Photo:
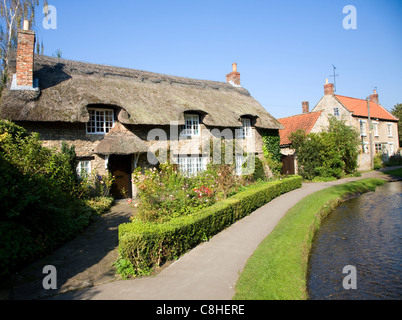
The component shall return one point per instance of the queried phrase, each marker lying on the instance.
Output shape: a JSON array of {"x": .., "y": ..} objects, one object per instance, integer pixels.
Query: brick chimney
[
  {"x": 306, "y": 107},
  {"x": 329, "y": 88},
  {"x": 25, "y": 56},
  {"x": 233, "y": 78},
  {"x": 374, "y": 97}
]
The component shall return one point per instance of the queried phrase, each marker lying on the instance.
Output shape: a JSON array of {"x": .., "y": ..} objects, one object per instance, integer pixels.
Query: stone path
[{"x": 209, "y": 271}]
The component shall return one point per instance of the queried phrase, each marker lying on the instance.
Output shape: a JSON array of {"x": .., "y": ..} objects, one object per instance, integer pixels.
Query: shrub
[
  {"x": 39, "y": 209},
  {"x": 330, "y": 153},
  {"x": 100, "y": 205},
  {"x": 146, "y": 244},
  {"x": 394, "y": 160},
  {"x": 378, "y": 161}
]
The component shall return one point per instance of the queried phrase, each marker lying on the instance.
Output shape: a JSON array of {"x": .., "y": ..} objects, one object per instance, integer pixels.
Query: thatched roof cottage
[{"x": 108, "y": 112}]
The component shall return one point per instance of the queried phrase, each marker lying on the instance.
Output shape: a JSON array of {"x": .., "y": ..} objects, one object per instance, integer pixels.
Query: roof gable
[{"x": 305, "y": 121}]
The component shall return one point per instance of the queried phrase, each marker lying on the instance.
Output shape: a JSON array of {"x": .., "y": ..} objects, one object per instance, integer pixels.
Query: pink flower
[{"x": 130, "y": 200}]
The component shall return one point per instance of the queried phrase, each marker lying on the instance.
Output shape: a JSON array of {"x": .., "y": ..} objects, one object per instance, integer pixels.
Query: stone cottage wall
[{"x": 53, "y": 134}]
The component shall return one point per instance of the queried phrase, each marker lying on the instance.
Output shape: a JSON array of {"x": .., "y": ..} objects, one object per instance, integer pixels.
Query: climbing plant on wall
[{"x": 272, "y": 150}]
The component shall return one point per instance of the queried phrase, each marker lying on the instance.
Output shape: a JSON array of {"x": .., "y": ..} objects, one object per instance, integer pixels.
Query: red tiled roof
[
  {"x": 359, "y": 108},
  {"x": 304, "y": 121}
]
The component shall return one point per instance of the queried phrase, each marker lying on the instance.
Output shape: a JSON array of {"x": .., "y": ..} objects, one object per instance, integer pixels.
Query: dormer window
[
  {"x": 191, "y": 125},
  {"x": 245, "y": 130},
  {"x": 101, "y": 121}
]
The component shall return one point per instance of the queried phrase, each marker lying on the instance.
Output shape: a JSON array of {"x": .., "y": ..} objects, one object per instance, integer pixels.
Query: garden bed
[{"x": 144, "y": 245}]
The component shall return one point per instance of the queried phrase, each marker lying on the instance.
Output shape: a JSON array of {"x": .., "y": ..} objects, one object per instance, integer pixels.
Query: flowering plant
[{"x": 165, "y": 193}]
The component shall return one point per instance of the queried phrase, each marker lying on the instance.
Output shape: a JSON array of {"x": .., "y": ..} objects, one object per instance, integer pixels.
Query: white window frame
[
  {"x": 391, "y": 149},
  {"x": 239, "y": 165},
  {"x": 363, "y": 129},
  {"x": 336, "y": 112},
  {"x": 84, "y": 166},
  {"x": 191, "y": 126},
  {"x": 378, "y": 150},
  {"x": 101, "y": 121},
  {"x": 191, "y": 165},
  {"x": 375, "y": 128},
  {"x": 390, "y": 129},
  {"x": 245, "y": 130}
]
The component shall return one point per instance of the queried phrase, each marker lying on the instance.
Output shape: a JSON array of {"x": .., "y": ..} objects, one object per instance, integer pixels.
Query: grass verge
[
  {"x": 396, "y": 172},
  {"x": 278, "y": 268}
]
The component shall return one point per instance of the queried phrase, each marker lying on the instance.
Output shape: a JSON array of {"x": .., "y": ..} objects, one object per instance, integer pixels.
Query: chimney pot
[
  {"x": 26, "y": 25},
  {"x": 233, "y": 78}
]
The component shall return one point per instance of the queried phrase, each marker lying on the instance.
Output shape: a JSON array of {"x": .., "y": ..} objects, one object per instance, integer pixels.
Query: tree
[
  {"x": 12, "y": 15},
  {"x": 330, "y": 153},
  {"x": 397, "y": 112}
]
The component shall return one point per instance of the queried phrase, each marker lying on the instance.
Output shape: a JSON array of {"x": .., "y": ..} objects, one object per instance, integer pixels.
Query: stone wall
[{"x": 53, "y": 134}]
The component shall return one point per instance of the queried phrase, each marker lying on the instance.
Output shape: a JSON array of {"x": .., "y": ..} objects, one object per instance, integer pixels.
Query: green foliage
[
  {"x": 94, "y": 186},
  {"x": 272, "y": 151},
  {"x": 378, "y": 161},
  {"x": 39, "y": 207},
  {"x": 259, "y": 171},
  {"x": 167, "y": 194},
  {"x": 146, "y": 245},
  {"x": 395, "y": 160},
  {"x": 397, "y": 112},
  {"x": 330, "y": 153},
  {"x": 100, "y": 205}
]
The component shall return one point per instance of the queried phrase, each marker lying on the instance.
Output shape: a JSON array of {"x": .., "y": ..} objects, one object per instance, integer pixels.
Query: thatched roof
[
  {"x": 121, "y": 141},
  {"x": 68, "y": 87}
]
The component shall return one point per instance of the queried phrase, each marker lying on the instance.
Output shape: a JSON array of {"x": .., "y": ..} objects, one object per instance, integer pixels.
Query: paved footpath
[{"x": 210, "y": 271}]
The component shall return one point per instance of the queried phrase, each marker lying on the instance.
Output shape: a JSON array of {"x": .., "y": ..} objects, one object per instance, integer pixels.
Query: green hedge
[{"x": 146, "y": 245}]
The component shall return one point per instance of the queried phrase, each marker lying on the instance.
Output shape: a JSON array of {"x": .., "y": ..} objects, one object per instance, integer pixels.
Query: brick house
[
  {"x": 119, "y": 119},
  {"x": 384, "y": 126}
]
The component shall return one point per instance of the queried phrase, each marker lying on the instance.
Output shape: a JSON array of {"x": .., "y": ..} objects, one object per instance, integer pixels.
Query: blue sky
[{"x": 284, "y": 49}]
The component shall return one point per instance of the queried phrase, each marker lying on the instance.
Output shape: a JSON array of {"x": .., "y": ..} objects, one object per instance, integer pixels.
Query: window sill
[{"x": 96, "y": 134}]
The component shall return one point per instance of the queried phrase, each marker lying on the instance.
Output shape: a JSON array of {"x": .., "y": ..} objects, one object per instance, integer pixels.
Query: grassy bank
[
  {"x": 396, "y": 172},
  {"x": 278, "y": 268}
]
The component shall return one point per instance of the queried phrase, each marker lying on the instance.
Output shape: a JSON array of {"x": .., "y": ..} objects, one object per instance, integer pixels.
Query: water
[{"x": 366, "y": 233}]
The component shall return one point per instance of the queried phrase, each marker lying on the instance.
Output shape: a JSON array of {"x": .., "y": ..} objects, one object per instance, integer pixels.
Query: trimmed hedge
[{"x": 146, "y": 245}]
